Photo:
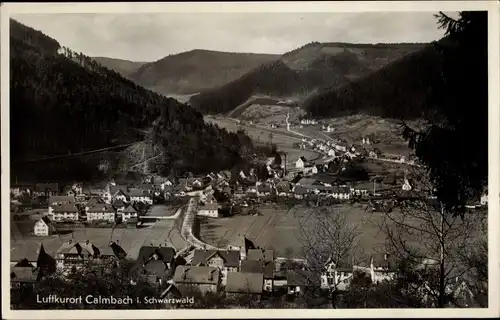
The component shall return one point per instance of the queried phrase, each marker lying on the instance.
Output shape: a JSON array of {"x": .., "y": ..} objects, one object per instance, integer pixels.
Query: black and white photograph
[{"x": 216, "y": 157}]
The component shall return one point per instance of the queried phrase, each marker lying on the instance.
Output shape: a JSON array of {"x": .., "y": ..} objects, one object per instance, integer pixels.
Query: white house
[
  {"x": 101, "y": 212},
  {"x": 406, "y": 185},
  {"x": 128, "y": 213},
  {"x": 42, "y": 227},
  {"x": 65, "y": 211},
  {"x": 331, "y": 153},
  {"x": 140, "y": 196},
  {"x": 120, "y": 195},
  {"x": 209, "y": 210},
  {"x": 310, "y": 170},
  {"x": 55, "y": 201},
  {"x": 300, "y": 163},
  {"x": 340, "y": 148},
  {"x": 382, "y": 269},
  {"x": 329, "y": 129},
  {"x": 336, "y": 277}
]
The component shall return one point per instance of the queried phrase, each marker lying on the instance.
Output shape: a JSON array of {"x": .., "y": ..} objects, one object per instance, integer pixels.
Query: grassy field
[
  {"x": 278, "y": 229},
  {"x": 283, "y": 142}
]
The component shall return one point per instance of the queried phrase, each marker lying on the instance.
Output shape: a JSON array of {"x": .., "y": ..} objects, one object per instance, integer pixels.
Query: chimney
[{"x": 87, "y": 242}]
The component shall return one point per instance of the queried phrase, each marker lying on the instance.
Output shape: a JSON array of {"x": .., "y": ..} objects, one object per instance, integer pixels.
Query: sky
[{"x": 149, "y": 37}]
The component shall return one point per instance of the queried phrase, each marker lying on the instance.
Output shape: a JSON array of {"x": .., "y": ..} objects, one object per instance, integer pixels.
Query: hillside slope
[
  {"x": 196, "y": 70},
  {"x": 302, "y": 71},
  {"x": 123, "y": 67},
  {"x": 64, "y": 102},
  {"x": 402, "y": 89}
]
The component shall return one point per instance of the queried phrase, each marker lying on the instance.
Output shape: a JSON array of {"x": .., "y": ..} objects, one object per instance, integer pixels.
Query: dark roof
[
  {"x": 231, "y": 257},
  {"x": 300, "y": 190},
  {"x": 302, "y": 278},
  {"x": 61, "y": 199},
  {"x": 242, "y": 282},
  {"x": 101, "y": 207},
  {"x": 165, "y": 254},
  {"x": 65, "y": 207},
  {"x": 386, "y": 262},
  {"x": 130, "y": 209},
  {"x": 46, "y": 220},
  {"x": 261, "y": 254},
  {"x": 196, "y": 275},
  {"x": 24, "y": 263},
  {"x": 93, "y": 201},
  {"x": 138, "y": 193},
  {"x": 303, "y": 159},
  {"x": 252, "y": 266},
  {"x": 146, "y": 186},
  {"x": 119, "y": 204},
  {"x": 113, "y": 189},
  {"x": 156, "y": 267}
]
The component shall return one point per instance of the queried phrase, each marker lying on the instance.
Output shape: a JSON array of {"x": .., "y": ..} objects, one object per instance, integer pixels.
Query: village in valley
[{"x": 225, "y": 232}]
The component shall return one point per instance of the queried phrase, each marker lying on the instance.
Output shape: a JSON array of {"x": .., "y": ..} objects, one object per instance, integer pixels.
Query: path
[{"x": 187, "y": 227}]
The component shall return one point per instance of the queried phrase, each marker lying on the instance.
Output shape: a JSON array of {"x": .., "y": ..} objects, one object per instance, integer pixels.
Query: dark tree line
[{"x": 64, "y": 102}]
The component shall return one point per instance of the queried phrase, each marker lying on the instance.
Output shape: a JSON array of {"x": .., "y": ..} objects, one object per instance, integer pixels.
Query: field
[
  {"x": 283, "y": 141},
  {"x": 278, "y": 229}
]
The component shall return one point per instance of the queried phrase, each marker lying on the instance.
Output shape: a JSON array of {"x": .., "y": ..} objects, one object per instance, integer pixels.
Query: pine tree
[{"x": 455, "y": 144}]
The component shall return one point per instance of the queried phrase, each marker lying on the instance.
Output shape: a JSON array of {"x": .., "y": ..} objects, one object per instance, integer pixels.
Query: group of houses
[{"x": 243, "y": 271}]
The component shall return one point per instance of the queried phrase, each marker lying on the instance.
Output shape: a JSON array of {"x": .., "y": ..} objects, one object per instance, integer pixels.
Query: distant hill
[
  {"x": 63, "y": 102},
  {"x": 401, "y": 89},
  {"x": 302, "y": 71},
  {"x": 196, "y": 70},
  {"x": 123, "y": 67}
]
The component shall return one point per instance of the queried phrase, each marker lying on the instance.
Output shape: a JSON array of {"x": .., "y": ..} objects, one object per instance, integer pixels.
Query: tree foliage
[
  {"x": 64, "y": 102},
  {"x": 456, "y": 149}
]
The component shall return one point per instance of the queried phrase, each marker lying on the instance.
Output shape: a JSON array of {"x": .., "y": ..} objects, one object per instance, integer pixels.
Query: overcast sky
[{"x": 149, "y": 37}]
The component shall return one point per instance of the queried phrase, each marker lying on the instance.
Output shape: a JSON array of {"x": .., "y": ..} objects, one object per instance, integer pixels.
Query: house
[
  {"x": 406, "y": 185},
  {"x": 224, "y": 260},
  {"x": 146, "y": 187},
  {"x": 341, "y": 192},
  {"x": 65, "y": 211},
  {"x": 202, "y": 279},
  {"x": 75, "y": 254},
  {"x": 132, "y": 223},
  {"x": 137, "y": 195},
  {"x": 120, "y": 195},
  {"x": 331, "y": 153},
  {"x": 264, "y": 189},
  {"x": 46, "y": 189},
  {"x": 23, "y": 275},
  {"x": 382, "y": 268},
  {"x": 300, "y": 192},
  {"x": 19, "y": 189},
  {"x": 43, "y": 227},
  {"x": 310, "y": 170},
  {"x": 129, "y": 213},
  {"x": 55, "y": 201},
  {"x": 101, "y": 212},
  {"x": 300, "y": 163},
  {"x": 209, "y": 210},
  {"x": 283, "y": 188},
  {"x": 336, "y": 276},
  {"x": 298, "y": 281},
  {"x": 340, "y": 148},
  {"x": 244, "y": 284},
  {"x": 93, "y": 201},
  {"x": 119, "y": 206},
  {"x": 157, "y": 263},
  {"x": 266, "y": 268}
]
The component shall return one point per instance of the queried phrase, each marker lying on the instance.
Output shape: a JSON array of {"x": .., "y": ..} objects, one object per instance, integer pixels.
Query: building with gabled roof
[
  {"x": 101, "y": 212},
  {"x": 225, "y": 260},
  {"x": 64, "y": 212},
  {"x": 43, "y": 227},
  {"x": 244, "y": 284},
  {"x": 129, "y": 213},
  {"x": 202, "y": 279}
]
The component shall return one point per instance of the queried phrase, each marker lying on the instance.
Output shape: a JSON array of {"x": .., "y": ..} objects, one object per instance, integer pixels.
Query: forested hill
[
  {"x": 299, "y": 72},
  {"x": 197, "y": 70},
  {"x": 64, "y": 102},
  {"x": 402, "y": 89}
]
